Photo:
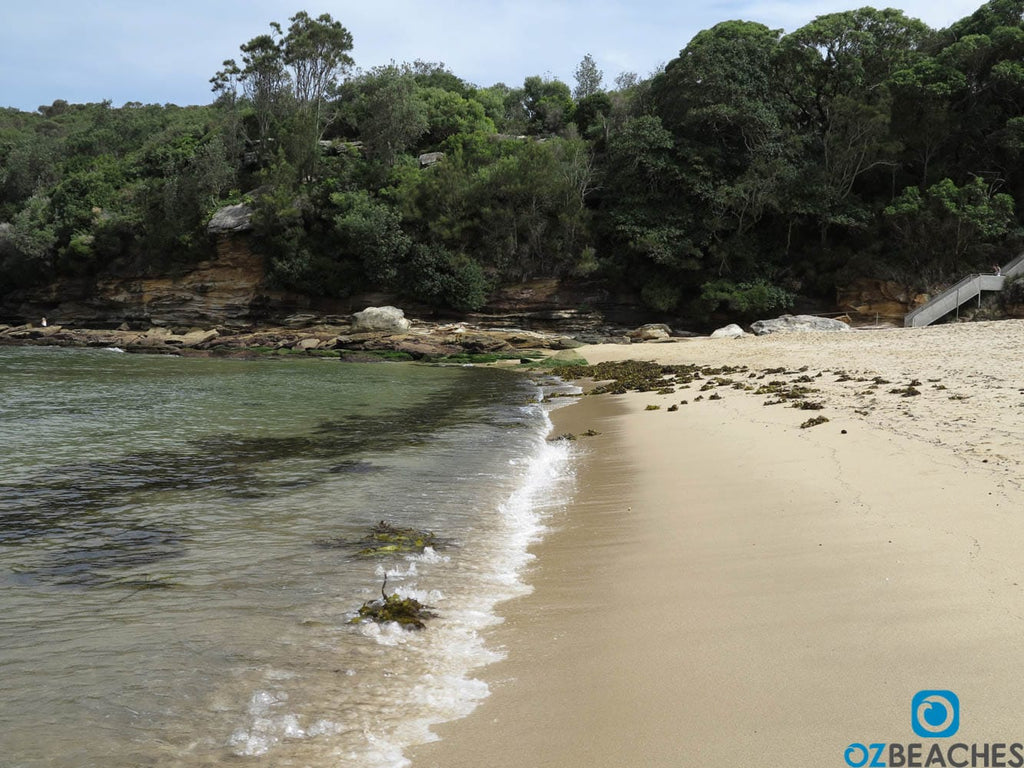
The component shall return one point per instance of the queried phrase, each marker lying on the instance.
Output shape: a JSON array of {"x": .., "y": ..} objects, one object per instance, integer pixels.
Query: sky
[{"x": 165, "y": 51}]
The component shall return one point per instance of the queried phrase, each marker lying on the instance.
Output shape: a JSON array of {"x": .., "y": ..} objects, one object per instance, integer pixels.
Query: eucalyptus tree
[
  {"x": 316, "y": 51},
  {"x": 588, "y": 78},
  {"x": 290, "y": 75}
]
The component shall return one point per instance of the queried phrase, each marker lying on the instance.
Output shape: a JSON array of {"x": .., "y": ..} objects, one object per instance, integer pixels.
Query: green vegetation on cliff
[{"x": 755, "y": 167}]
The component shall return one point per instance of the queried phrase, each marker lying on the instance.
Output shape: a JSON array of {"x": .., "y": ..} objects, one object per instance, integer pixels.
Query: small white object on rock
[
  {"x": 731, "y": 331},
  {"x": 798, "y": 324},
  {"x": 387, "y": 319}
]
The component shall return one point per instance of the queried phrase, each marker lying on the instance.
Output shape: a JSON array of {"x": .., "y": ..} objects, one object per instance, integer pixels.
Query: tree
[
  {"x": 265, "y": 83},
  {"x": 834, "y": 74},
  {"x": 294, "y": 71},
  {"x": 547, "y": 103},
  {"x": 588, "y": 78},
  {"x": 391, "y": 116},
  {"x": 371, "y": 233},
  {"x": 735, "y": 156},
  {"x": 316, "y": 51},
  {"x": 947, "y": 229}
]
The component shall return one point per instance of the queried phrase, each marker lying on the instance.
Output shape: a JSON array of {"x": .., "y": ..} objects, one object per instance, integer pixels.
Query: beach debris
[
  {"x": 808, "y": 405},
  {"x": 386, "y": 539},
  {"x": 814, "y": 422},
  {"x": 590, "y": 433},
  {"x": 653, "y": 408},
  {"x": 672, "y": 408},
  {"x": 564, "y": 436},
  {"x": 407, "y": 612},
  {"x": 908, "y": 391}
]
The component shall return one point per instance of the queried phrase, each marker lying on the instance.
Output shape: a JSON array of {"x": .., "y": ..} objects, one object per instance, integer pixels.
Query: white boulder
[
  {"x": 731, "y": 331},
  {"x": 380, "y": 319},
  {"x": 798, "y": 324}
]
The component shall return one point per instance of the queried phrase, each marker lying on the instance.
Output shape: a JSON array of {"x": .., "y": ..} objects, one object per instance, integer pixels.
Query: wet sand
[{"x": 729, "y": 589}]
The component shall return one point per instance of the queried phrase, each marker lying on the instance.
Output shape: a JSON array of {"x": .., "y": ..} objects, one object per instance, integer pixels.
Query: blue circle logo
[{"x": 935, "y": 714}]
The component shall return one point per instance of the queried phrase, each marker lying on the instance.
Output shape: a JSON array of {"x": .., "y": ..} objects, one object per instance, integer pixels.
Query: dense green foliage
[{"x": 756, "y": 167}]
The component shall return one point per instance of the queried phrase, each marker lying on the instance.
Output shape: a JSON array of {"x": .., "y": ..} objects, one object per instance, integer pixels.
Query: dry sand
[{"x": 728, "y": 589}]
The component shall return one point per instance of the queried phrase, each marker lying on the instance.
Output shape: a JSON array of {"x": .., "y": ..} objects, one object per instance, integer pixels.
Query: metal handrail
[{"x": 974, "y": 281}]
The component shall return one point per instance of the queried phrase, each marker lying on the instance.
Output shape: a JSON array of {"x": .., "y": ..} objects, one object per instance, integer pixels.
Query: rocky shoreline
[
  {"x": 340, "y": 339},
  {"x": 377, "y": 333}
]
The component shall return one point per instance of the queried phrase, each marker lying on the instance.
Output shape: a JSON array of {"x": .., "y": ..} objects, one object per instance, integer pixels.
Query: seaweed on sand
[{"x": 817, "y": 420}]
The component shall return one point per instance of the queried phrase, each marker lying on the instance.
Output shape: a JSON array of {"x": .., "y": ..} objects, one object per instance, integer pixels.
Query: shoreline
[
  {"x": 728, "y": 588},
  {"x": 347, "y": 341}
]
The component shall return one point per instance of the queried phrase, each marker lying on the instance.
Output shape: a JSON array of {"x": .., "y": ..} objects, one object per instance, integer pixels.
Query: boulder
[
  {"x": 798, "y": 324},
  {"x": 308, "y": 343},
  {"x": 196, "y": 338},
  {"x": 603, "y": 338},
  {"x": 232, "y": 218},
  {"x": 428, "y": 159},
  {"x": 731, "y": 331},
  {"x": 651, "y": 332},
  {"x": 386, "y": 319}
]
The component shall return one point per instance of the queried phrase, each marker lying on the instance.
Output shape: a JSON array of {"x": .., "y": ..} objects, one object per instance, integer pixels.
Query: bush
[
  {"x": 1013, "y": 291},
  {"x": 441, "y": 278},
  {"x": 747, "y": 299}
]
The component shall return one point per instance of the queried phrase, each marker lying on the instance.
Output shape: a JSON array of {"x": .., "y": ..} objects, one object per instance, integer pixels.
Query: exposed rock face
[
  {"x": 387, "y": 319},
  {"x": 573, "y": 308},
  {"x": 731, "y": 331},
  {"x": 231, "y": 219},
  {"x": 798, "y": 324},
  {"x": 219, "y": 291},
  {"x": 873, "y": 299}
]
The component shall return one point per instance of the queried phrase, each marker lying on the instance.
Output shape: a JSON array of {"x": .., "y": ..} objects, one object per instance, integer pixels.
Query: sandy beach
[{"x": 729, "y": 589}]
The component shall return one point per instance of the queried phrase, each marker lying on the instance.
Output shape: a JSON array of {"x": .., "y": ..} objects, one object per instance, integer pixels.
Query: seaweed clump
[
  {"x": 639, "y": 376},
  {"x": 908, "y": 391},
  {"x": 386, "y": 539},
  {"x": 407, "y": 612},
  {"x": 814, "y": 422}
]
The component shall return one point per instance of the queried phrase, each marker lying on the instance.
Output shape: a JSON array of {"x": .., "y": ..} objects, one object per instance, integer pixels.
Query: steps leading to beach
[{"x": 954, "y": 297}]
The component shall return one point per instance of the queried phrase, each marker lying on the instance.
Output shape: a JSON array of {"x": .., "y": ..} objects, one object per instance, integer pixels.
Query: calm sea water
[{"x": 166, "y": 598}]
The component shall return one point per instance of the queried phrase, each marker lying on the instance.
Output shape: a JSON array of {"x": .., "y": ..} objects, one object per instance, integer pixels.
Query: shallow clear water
[{"x": 172, "y": 589}]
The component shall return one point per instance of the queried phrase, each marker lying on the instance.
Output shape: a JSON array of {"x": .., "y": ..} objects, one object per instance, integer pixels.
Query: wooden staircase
[{"x": 954, "y": 297}]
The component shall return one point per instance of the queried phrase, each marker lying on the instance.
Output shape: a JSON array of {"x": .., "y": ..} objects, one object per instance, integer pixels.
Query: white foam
[
  {"x": 455, "y": 645},
  {"x": 267, "y": 726},
  {"x": 436, "y": 682}
]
